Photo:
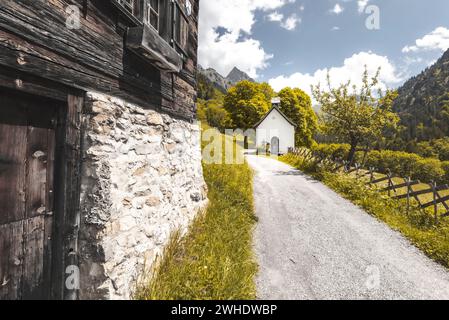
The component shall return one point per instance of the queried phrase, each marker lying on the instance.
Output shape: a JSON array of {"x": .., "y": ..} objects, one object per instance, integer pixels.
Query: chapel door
[{"x": 275, "y": 146}]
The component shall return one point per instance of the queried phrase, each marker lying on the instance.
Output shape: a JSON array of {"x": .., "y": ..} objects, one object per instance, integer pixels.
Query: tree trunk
[{"x": 351, "y": 156}]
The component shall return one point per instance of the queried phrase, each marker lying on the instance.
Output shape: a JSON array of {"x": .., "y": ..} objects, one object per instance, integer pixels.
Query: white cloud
[
  {"x": 411, "y": 60},
  {"x": 335, "y": 28},
  {"x": 431, "y": 62},
  {"x": 235, "y": 47},
  {"x": 352, "y": 69},
  {"x": 275, "y": 16},
  {"x": 291, "y": 22},
  {"x": 438, "y": 39},
  {"x": 337, "y": 9},
  {"x": 362, "y": 5}
]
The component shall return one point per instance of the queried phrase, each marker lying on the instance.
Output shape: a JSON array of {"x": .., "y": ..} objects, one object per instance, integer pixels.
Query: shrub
[
  {"x": 445, "y": 166},
  {"x": 400, "y": 163},
  {"x": 334, "y": 150},
  {"x": 407, "y": 165},
  {"x": 435, "y": 149},
  {"x": 429, "y": 170}
]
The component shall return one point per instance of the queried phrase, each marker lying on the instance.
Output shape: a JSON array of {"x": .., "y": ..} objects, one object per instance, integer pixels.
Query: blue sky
[{"x": 296, "y": 42}]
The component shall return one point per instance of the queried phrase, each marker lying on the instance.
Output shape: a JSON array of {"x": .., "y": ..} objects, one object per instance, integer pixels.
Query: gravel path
[{"x": 313, "y": 244}]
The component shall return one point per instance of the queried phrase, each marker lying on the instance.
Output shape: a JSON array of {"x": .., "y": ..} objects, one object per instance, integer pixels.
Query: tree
[
  {"x": 247, "y": 102},
  {"x": 297, "y": 106},
  {"x": 218, "y": 117},
  {"x": 356, "y": 117},
  {"x": 311, "y": 117},
  {"x": 214, "y": 114}
]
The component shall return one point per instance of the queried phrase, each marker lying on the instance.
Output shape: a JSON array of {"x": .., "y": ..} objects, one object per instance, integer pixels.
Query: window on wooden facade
[
  {"x": 168, "y": 18},
  {"x": 128, "y": 5},
  {"x": 152, "y": 13},
  {"x": 162, "y": 28}
]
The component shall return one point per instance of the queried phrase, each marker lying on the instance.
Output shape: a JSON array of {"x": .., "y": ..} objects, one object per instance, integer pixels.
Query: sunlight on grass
[{"x": 424, "y": 198}]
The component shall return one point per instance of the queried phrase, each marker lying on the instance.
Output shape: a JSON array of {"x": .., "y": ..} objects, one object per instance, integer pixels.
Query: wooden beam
[
  {"x": 422, "y": 192},
  {"x": 23, "y": 82},
  {"x": 437, "y": 201},
  {"x": 402, "y": 185},
  {"x": 73, "y": 186},
  {"x": 445, "y": 215},
  {"x": 380, "y": 180},
  {"x": 146, "y": 42}
]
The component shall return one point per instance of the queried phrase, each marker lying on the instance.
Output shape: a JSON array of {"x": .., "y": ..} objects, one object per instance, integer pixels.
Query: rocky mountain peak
[
  {"x": 236, "y": 75},
  {"x": 223, "y": 83}
]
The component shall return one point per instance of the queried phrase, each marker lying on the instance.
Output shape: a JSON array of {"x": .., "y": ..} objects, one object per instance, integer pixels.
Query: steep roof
[{"x": 275, "y": 107}]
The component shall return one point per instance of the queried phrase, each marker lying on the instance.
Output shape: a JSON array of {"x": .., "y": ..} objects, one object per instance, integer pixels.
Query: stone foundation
[{"x": 141, "y": 180}]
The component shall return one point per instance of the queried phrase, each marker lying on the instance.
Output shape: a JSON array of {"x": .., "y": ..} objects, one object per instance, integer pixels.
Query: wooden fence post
[
  {"x": 390, "y": 182},
  {"x": 408, "y": 181},
  {"x": 435, "y": 204},
  {"x": 371, "y": 175}
]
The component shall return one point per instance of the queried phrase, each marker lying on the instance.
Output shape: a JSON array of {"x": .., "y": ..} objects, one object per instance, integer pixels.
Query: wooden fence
[{"x": 389, "y": 183}]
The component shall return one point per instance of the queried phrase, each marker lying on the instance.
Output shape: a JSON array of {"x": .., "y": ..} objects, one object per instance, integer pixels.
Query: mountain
[
  {"x": 423, "y": 103},
  {"x": 208, "y": 78},
  {"x": 216, "y": 79},
  {"x": 237, "y": 75}
]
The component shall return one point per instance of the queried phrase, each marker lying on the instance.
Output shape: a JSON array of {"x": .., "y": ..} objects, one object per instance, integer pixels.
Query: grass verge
[
  {"x": 215, "y": 259},
  {"x": 418, "y": 226}
]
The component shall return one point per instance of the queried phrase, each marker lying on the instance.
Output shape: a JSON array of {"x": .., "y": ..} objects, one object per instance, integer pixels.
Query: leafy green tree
[
  {"x": 438, "y": 148},
  {"x": 247, "y": 103},
  {"x": 297, "y": 106},
  {"x": 213, "y": 113},
  {"x": 218, "y": 117},
  {"x": 267, "y": 91},
  {"x": 356, "y": 117},
  {"x": 310, "y": 115},
  {"x": 201, "y": 109}
]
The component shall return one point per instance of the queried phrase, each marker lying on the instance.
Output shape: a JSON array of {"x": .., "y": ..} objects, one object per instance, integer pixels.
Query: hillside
[{"x": 423, "y": 103}]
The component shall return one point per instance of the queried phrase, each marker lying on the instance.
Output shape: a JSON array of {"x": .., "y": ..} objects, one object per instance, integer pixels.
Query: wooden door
[{"x": 27, "y": 145}]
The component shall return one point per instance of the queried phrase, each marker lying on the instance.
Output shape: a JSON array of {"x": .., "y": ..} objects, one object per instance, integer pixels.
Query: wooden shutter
[{"x": 181, "y": 27}]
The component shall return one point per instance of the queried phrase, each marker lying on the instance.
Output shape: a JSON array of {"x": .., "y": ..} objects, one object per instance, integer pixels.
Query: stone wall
[{"x": 141, "y": 180}]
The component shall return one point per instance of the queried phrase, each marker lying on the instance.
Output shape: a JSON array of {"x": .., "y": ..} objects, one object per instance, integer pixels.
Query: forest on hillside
[{"x": 423, "y": 107}]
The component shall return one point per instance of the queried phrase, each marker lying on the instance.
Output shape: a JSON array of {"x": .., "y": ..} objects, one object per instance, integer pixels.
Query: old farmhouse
[{"x": 99, "y": 150}]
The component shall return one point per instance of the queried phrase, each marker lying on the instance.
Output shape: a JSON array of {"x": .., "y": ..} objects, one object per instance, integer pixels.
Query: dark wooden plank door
[{"x": 27, "y": 144}]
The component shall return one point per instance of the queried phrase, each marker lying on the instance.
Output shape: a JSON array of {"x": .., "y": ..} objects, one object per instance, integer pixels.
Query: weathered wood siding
[{"x": 34, "y": 39}]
